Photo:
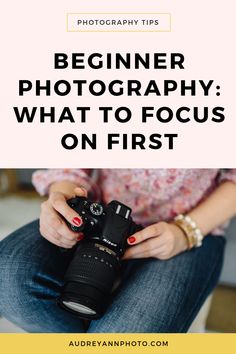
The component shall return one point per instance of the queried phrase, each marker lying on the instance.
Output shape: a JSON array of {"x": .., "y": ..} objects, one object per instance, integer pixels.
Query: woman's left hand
[{"x": 161, "y": 240}]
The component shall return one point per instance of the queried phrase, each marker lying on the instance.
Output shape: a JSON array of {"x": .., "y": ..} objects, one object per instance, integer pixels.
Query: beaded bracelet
[{"x": 191, "y": 231}]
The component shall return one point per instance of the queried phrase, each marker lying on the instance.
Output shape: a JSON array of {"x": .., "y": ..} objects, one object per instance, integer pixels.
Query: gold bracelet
[
  {"x": 190, "y": 229},
  {"x": 186, "y": 234}
]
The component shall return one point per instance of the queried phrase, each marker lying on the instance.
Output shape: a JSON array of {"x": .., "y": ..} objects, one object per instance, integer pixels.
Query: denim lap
[{"x": 155, "y": 296}]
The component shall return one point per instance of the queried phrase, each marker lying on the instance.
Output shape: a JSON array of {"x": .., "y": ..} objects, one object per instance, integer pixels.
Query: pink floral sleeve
[
  {"x": 227, "y": 175},
  {"x": 42, "y": 179}
]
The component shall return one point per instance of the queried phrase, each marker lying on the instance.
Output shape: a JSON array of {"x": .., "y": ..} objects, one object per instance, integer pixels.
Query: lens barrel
[{"x": 89, "y": 280}]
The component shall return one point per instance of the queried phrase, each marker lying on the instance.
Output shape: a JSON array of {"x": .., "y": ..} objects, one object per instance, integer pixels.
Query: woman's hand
[
  {"x": 52, "y": 225},
  {"x": 161, "y": 240}
]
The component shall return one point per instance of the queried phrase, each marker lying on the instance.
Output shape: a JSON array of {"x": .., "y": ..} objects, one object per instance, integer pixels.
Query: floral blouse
[{"x": 153, "y": 194}]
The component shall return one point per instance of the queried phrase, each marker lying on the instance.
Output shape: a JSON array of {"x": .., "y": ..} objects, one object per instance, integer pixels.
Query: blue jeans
[{"x": 155, "y": 296}]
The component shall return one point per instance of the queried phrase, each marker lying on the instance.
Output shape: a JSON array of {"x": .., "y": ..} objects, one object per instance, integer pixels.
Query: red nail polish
[
  {"x": 77, "y": 221},
  {"x": 131, "y": 239},
  {"x": 79, "y": 238}
]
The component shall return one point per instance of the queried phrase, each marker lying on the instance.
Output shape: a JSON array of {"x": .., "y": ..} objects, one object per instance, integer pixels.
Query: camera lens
[
  {"x": 89, "y": 280},
  {"x": 79, "y": 308}
]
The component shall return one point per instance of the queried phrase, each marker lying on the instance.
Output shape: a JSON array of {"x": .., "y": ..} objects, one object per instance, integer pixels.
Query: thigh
[
  {"x": 164, "y": 296},
  {"x": 31, "y": 278}
]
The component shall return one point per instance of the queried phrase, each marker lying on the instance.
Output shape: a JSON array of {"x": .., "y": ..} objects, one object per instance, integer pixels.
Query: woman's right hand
[{"x": 52, "y": 225}]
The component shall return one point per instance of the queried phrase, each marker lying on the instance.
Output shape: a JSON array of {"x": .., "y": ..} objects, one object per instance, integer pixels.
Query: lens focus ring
[{"x": 93, "y": 266}]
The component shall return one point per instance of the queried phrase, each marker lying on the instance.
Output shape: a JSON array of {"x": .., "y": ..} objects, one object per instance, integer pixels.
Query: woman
[{"x": 170, "y": 268}]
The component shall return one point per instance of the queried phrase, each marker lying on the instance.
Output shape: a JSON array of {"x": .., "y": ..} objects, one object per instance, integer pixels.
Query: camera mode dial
[{"x": 96, "y": 209}]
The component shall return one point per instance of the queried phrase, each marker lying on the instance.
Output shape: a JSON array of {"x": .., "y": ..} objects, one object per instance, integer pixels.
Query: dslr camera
[{"x": 96, "y": 261}]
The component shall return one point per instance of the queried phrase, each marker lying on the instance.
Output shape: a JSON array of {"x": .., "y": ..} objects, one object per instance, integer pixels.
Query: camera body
[
  {"x": 109, "y": 225},
  {"x": 96, "y": 262}
]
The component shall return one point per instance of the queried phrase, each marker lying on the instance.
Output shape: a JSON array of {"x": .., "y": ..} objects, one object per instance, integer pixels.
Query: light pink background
[{"x": 32, "y": 31}]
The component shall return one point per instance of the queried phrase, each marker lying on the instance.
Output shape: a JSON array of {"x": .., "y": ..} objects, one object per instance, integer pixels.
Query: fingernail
[
  {"x": 131, "y": 239},
  {"x": 80, "y": 237},
  {"x": 77, "y": 221}
]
